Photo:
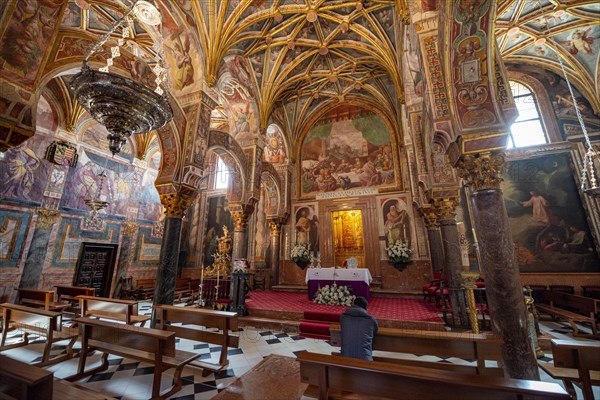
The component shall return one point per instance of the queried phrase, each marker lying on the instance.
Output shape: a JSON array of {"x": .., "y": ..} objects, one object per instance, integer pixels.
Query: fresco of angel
[{"x": 580, "y": 41}]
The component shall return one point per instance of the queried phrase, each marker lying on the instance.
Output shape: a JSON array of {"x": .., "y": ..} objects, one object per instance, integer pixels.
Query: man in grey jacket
[{"x": 358, "y": 330}]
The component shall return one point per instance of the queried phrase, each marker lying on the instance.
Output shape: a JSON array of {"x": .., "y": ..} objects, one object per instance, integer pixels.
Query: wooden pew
[
  {"x": 30, "y": 320},
  {"x": 206, "y": 321},
  {"x": 69, "y": 294},
  {"x": 571, "y": 307},
  {"x": 22, "y": 381},
  {"x": 144, "y": 344},
  {"x": 182, "y": 288},
  {"x": 575, "y": 362},
  {"x": 468, "y": 346},
  {"x": 145, "y": 288},
  {"x": 40, "y": 299},
  {"x": 113, "y": 309},
  {"x": 381, "y": 379}
]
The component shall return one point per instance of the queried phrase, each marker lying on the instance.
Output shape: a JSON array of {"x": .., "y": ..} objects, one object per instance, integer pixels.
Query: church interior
[{"x": 224, "y": 163}]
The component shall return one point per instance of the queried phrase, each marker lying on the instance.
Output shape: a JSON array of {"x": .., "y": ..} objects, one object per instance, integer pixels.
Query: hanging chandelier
[{"x": 124, "y": 106}]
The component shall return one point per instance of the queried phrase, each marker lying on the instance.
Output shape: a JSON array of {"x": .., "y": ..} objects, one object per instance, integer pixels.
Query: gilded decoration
[
  {"x": 176, "y": 204},
  {"x": 222, "y": 258},
  {"x": 275, "y": 228},
  {"x": 481, "y": 171},
  {"x": 129, "y": 227},
  {"x": 430, "y": 217},
  {"x": 445, "y": 207},
  {"x": 46, "y": 218},
  {"x": 240, "y": 220}
]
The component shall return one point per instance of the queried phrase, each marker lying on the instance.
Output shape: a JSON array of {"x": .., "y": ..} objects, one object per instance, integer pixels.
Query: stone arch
[
  {"x": 276, "y": 206},
  {"x": 223, "y": 144},
  {"x": 277, "y": 149}
]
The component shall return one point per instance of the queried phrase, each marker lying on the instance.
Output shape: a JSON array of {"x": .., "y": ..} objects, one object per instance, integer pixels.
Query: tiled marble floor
[{"x": 129, "y": 379}]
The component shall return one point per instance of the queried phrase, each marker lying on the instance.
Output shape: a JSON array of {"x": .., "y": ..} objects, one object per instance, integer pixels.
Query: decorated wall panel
[
  {"x": 218, "y": 215},
  {"x": 306, "y": 225},
  {"x": 13, "y": 231}
]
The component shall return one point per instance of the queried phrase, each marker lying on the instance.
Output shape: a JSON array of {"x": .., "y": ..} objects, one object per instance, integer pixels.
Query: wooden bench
[
  {"x": 69, "y": 294},
  {"x": 145, "y": 288},
  {"x": 205, "y": 321},
  {"x": 30, "y": 320},
  {"x": 182, "y": 288},
  {"x": 113, "y": 309},
  {"x": 22, "y": 381},
  {"x": 571, "y": 307},
  {"x": 381, "y": 379},
  {"x": 40, "y": 299},
  {"x": 575, "y": 362},
  {"x": 467, "y": 346},
  {"x": 144, "y": 344}
]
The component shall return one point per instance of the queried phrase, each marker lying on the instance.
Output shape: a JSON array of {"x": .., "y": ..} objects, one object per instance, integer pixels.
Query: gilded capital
[
  {"x": 240, "y": 220},
  {"x": 430, "y": 217},
  {"x": 129, "y": 227},
  {"x": 445, "y": 207},
  {"x": 481, "y": 171},
  {"x": 275, "y": 227},
  {"x": 176, "y": 204},
  {"x": 468, "y": 279},
  {"x": 46, "y": 218}
]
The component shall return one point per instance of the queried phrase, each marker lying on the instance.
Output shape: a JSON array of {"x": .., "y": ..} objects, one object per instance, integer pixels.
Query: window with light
[
  {"x": 221, "y": 175},
  {"x": 528, "y": 129}
]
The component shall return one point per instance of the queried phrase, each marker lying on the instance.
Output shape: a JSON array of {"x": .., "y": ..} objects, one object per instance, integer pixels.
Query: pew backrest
[
  {"x": 583, "y": 305},
  {"x": 23, "y": 381},
  {"x": 200, "y": 325},
  {"x": 116, "y": 309},
  {"x": 381, "y": 379},
  {"x": 468, "y": 346},
  {"x": 40, "y": 298},
  {"x": 35, "y": 320},
  {"x": 70, "y": 293}
]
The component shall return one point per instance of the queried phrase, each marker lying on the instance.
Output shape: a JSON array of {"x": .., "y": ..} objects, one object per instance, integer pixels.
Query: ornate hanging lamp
[{"x": 125, "y": 107}]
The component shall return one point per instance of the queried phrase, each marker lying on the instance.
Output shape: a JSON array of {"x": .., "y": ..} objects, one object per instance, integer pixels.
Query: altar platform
[{"x": 286, "y": 310}]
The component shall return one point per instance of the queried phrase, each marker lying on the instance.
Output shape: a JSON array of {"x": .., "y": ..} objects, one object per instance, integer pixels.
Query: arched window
[
  {"x": 221, "y": 175},
  {"x": 528, "y": 129}
]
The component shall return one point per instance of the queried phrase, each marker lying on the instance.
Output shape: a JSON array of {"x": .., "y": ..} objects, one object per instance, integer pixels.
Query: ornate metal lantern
[{"x": 123, "y": 106}]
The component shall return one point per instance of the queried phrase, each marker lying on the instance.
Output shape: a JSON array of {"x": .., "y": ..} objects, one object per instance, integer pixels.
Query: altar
[{"x": 358, "y": 279}]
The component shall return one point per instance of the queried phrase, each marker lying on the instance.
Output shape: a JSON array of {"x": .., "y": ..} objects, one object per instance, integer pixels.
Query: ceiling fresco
[{"x": 538, "y": 32}]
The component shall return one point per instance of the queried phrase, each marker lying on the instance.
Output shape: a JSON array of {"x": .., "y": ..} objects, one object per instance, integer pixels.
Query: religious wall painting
[
  {"x": 71, "y": 16},
  {"x": 26, "y": 37},
  {"x": 95, "y": 136},
  {"x": 347, "y": 154},
  {"x": 584, "y": 44},
  {"x": 23, "y": 170},
  {"x": 395, "y": 219},
  {"x": 218, "y": 216},
  {"x": 546, "y": 217},
  {"x": 180, "y": 53},
  {"x": 261, "y": 229},
  {"x": 442, "y": 170},
  {"x": 275, "y": 149},
  {"x": 46, "y": 119},
  {"x": 306, "y": 226},
  {"x": 14, "y": 226}
]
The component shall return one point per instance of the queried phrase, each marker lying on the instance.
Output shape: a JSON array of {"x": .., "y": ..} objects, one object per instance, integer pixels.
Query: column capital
[
  {"x": 46, "y": 218},
  {"x": 469, "y": 278},
  {"x": 481, "y": 171},
  {"x": 445, "y": 207},
  {"x": 275, "y": 227},
  {"x": 430, "y": 217},
  {"x": 177, "y": 203}
]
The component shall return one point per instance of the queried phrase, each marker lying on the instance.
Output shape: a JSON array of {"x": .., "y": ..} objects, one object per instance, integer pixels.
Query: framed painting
[
  {"x": 546, "y": 216},
  {"x": 306, "y": 225}
]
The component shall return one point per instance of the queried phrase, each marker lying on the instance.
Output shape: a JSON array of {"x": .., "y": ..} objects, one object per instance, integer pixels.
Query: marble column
[
  {"x": 34, "y": 263},
  {"x": 275, "y": 238},
  {"x": 240, "y": 240},
  {"x": 445, "y": 207},
  {"x": 434, "y": 237},
  {"x": 129, "y": 229},
  {"x": 175, "y": 205},
  {"x": 503, "y": 283}
]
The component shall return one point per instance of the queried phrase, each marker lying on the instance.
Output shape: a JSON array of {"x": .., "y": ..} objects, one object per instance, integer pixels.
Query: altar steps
[
  {"x": 316, "y": 324},
  {"x": 378, "y": 292}
]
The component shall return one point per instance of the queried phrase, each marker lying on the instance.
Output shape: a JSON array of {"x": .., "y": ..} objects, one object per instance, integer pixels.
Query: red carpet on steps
[{"x": 379, "y": 307}]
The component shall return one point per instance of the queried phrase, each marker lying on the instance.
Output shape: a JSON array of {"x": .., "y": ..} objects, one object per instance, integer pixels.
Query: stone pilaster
[
  {"x": 445, "y": 208},
  {"x": 34, "y": 263},
  {"x": 434, "y": 237},
  {"x": 503, "y": 284},
  {"x": 275, "y": 240},
  {"x": 129, "y": 228}
]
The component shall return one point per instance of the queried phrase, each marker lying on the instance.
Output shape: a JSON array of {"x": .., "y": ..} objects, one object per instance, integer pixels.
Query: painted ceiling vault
[{"x": 539, "y": 32}]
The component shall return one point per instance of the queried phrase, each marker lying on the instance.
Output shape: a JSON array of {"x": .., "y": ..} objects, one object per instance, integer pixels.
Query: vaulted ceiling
[{"x": 542, "y": 31}]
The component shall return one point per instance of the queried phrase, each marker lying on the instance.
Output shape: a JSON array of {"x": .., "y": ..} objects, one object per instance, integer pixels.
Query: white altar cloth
[{"x": 339, "y": 274}]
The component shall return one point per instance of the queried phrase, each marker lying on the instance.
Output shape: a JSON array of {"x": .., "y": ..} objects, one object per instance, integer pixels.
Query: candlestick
[
  {"x": 217, "y": 285},
  {"x": 200, "y": 300}
]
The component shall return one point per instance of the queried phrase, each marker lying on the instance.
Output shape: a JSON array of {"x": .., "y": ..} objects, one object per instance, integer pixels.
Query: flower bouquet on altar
[
  {"x": 399, "y": 253},
  {"x": 334, "y": 295},
  {"x": 300, "y": 254}
]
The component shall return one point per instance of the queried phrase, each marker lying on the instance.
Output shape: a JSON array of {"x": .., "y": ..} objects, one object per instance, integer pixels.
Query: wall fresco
[{"x": 347, "y": 154}]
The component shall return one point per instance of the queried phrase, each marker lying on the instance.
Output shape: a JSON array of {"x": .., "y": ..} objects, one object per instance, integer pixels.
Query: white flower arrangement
[
  {"x": 399, "y": 252},
  {"x": 334, "y": 295},
  {"x": 300, "y": 252}
]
